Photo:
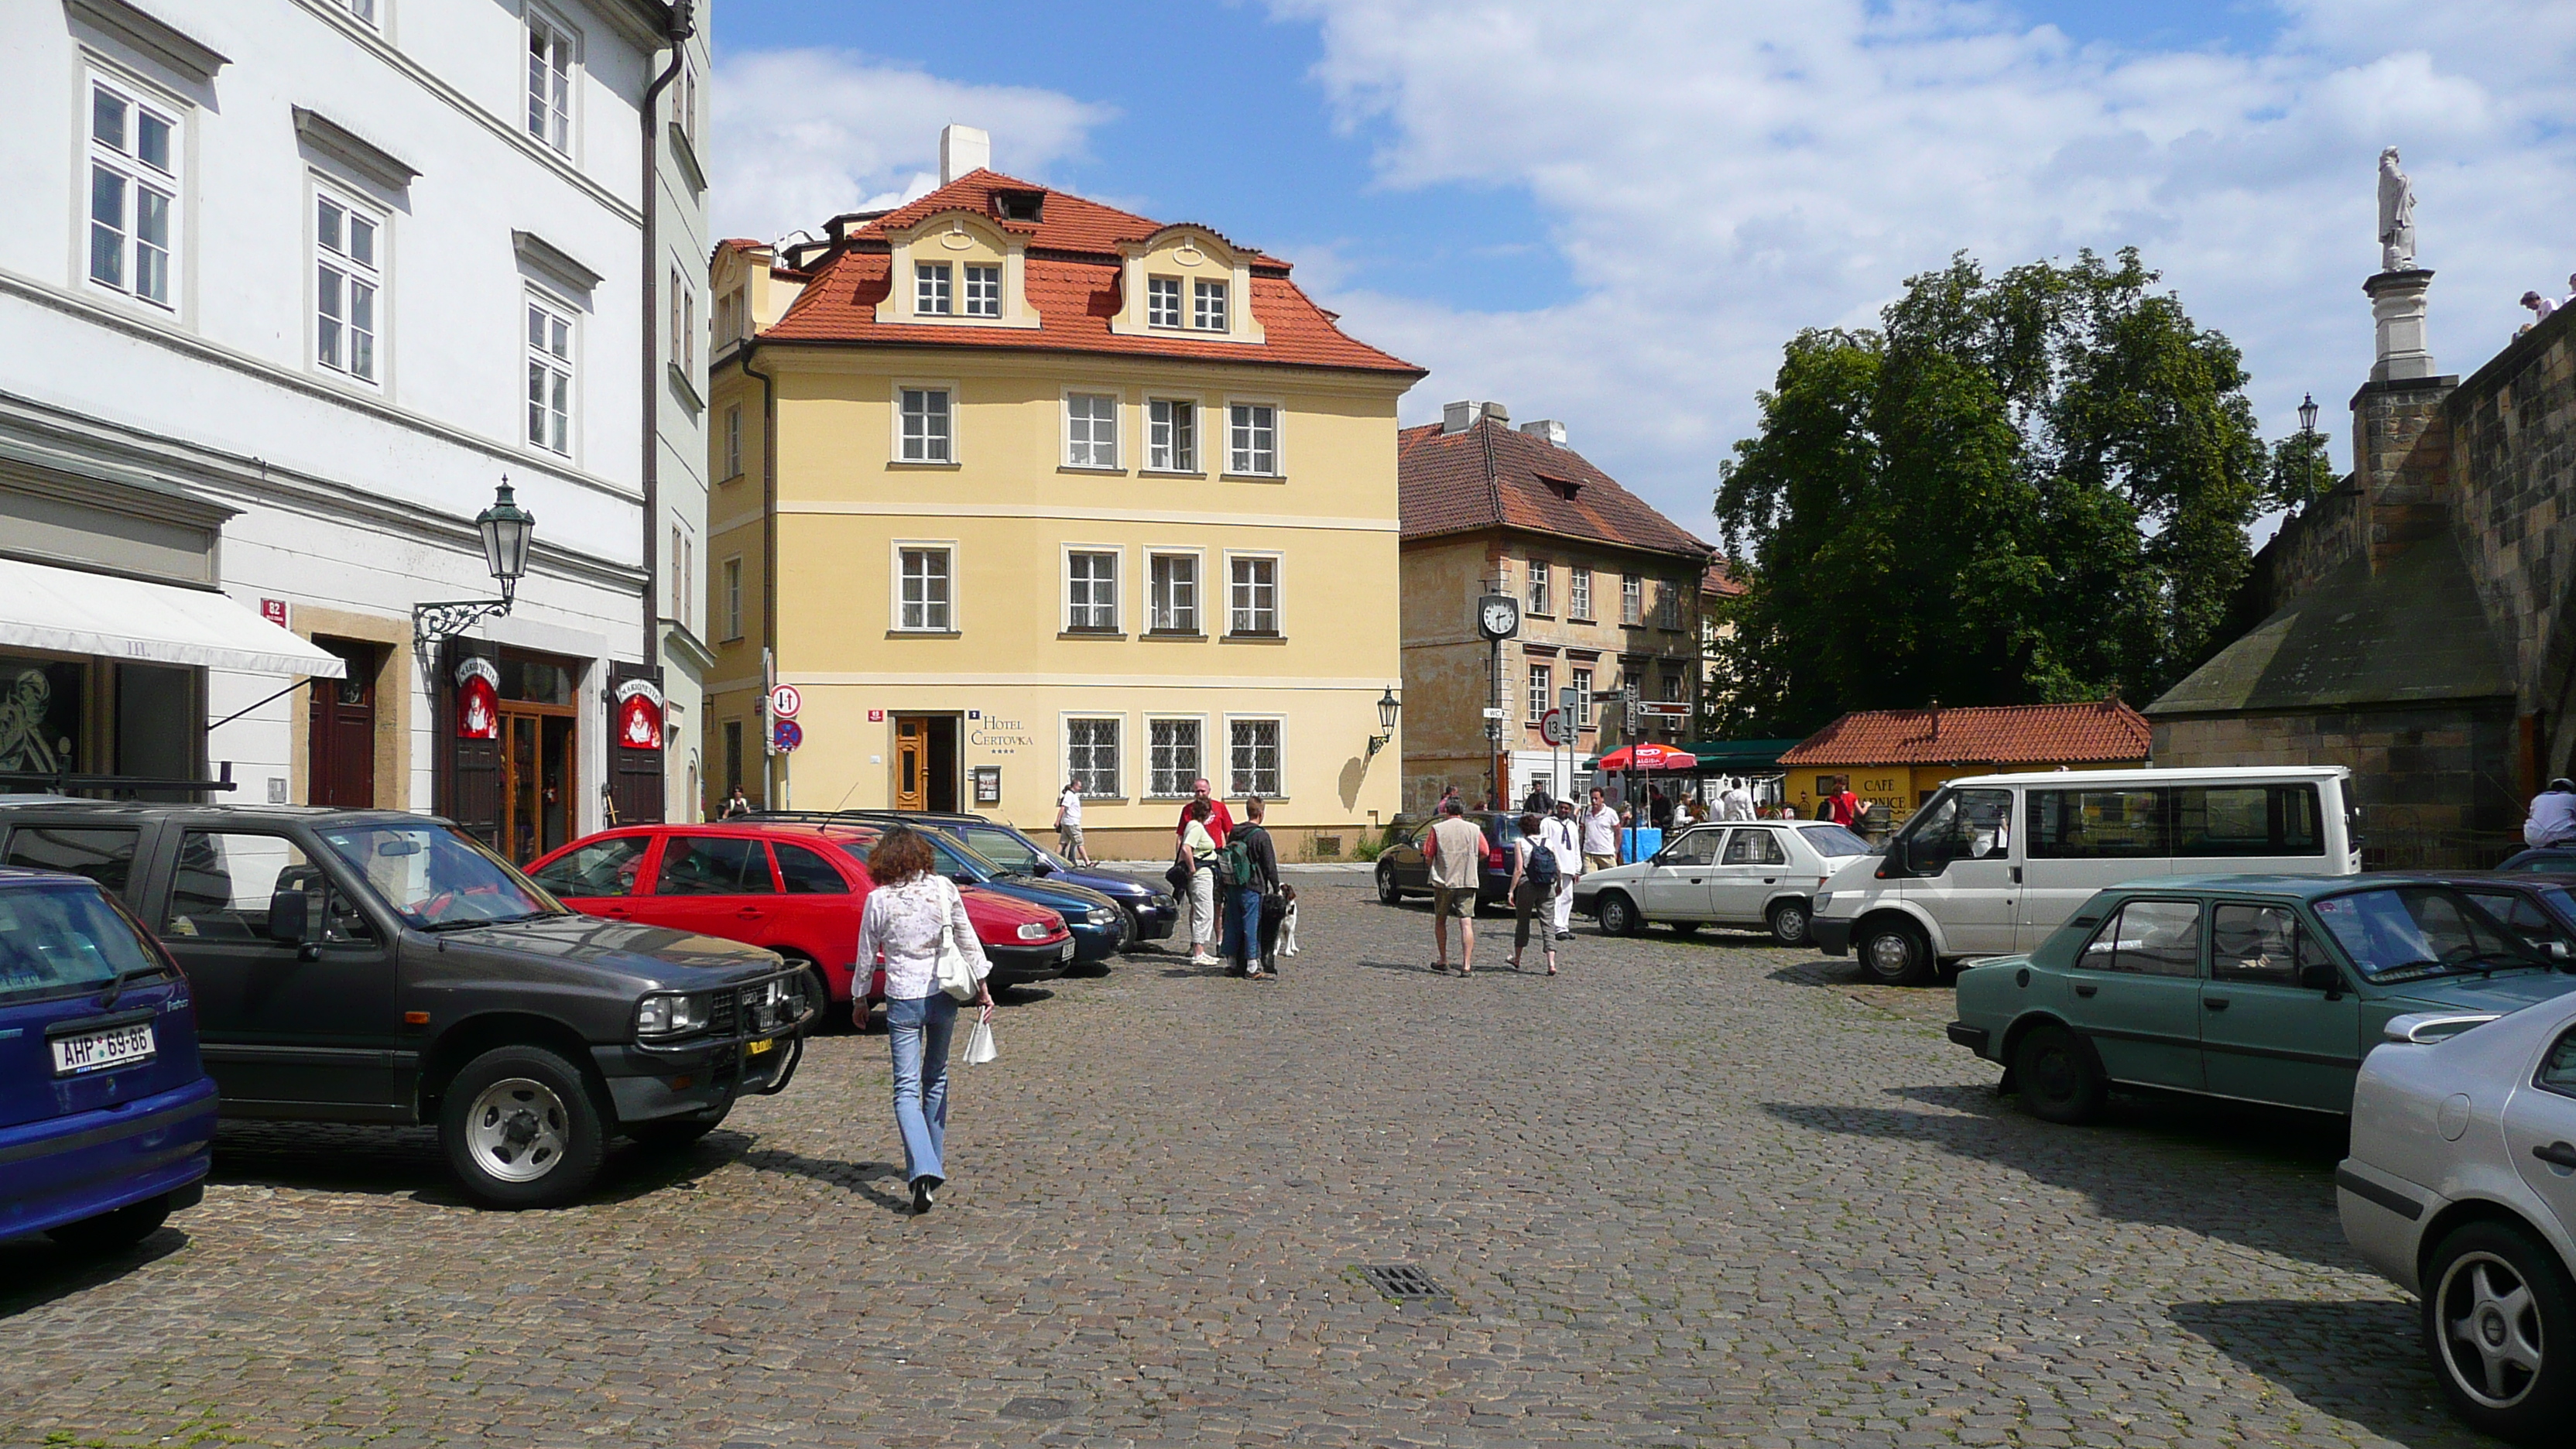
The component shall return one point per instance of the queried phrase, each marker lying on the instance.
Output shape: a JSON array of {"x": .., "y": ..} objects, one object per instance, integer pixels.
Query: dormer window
[
  {"x": 1561, "y": 487},
  {"x": 1162, "y": 301},
  {"x": 983, "y": 291},
  {"x": 930, "y": 288},
  {"x": 1208, "y": 313},
  {"x": 1019, "y": 205}
]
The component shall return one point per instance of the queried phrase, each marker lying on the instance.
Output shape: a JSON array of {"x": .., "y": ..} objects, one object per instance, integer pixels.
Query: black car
[
  {"x": 2540, "y": 908},
  {"x": 1404, "y": 870},
  {"x": 377, "y": 966},
  {"x": 1151, "y": 913},
  {"x": 2557, "y": 859}
]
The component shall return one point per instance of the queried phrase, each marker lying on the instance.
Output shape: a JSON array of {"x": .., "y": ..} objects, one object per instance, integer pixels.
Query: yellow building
[{"x": 1018, "y": 488}]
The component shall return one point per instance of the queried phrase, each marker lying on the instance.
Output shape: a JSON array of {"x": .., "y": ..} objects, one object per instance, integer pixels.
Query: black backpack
[{"x": 1541, "y": 869}]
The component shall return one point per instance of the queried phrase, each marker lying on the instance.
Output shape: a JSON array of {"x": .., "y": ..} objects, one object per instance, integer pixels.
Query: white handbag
[
  {"x": 951, "y": 971},
  {"x": 979, "y": 1043}
]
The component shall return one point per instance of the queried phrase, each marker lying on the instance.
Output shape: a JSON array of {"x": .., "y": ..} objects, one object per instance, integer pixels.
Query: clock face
[{"x": 1500, "y": 617}]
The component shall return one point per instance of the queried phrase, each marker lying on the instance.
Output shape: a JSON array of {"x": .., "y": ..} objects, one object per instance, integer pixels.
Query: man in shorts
[
  {"x": 1600, "y": 834},
  {"x": 1457, "y": 860}
]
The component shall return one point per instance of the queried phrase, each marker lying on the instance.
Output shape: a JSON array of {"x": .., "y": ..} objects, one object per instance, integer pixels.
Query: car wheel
[
  {"x": 821, "y": 986},
  {"x": 2059, "y": 1078},
  {"x": 1388, "y": 894},
  {"x": 1788, "y": 922},
  {"x": 114, "y": 1232},
  {"x": 2501, "y": 1328},
  {"x": 520, "y": 1129},
  {"x": 670, "y": 1132},
  {"x": 1619, "y": 915},
  {"x": 1893, "y": 952}
]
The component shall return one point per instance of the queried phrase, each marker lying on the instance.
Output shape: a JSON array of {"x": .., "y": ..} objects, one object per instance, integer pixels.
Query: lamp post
[
  {"x": 2308, "y": 434},
  {"x": 1387, "y": 705},
  {"x": 507, "y": 530}
]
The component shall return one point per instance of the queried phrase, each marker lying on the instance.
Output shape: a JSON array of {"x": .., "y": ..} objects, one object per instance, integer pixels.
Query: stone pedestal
[{"x": 2397, "y": 304}]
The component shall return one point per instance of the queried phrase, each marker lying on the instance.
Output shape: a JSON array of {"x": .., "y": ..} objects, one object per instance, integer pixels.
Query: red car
[{"x": 796, "y": 889}]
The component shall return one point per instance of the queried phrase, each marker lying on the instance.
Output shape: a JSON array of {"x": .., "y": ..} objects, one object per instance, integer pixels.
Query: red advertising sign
[
  {"x": 478, "y": 700},
  {"x": 639, "y": 715},
  {"x": 876, "y": 716}
]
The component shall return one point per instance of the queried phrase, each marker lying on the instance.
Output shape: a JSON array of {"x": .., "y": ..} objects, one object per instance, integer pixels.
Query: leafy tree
[{"x": 2021, "y": 488}]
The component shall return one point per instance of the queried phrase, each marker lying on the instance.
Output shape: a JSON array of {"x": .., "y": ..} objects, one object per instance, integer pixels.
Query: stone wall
[
  {"x": 2511, "y": 478},
  {"x": 2308, "y": 546},
  {"x": 2434, "y": 782}
]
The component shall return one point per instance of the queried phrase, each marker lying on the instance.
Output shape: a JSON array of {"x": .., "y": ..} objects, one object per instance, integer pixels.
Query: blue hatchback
[
  {"x": 107, "y": 1119},
  {"x": 1151, "y": 913},
  {"x": 1098, "y": 926}
]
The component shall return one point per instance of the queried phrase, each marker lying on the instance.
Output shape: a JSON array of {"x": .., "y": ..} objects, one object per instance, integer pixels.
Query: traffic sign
[
  {"x": 1492, "y": 713},
  {"x": 784, "y": 701},
  {"x": 790, "y": 733},
  {"x": 1556, "y": 727}
]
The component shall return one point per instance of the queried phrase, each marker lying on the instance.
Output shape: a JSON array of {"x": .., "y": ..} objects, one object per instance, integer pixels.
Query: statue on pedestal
[{"x": 2396, "y": 216}]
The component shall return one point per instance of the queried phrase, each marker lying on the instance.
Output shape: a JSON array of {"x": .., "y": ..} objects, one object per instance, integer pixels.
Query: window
[
  {"x": 549, "y": 376},
  {"x": 346, "y": 280},
  {"x": 2558, "y": 1069},
  {"x": 2148, "y": 938},
  {"x": 1207, "y": 306},
  {"x": 930, "y": 288},
  {"x": 733, "y": 599},
  {"x": 1091, "y": 430},
  {"x": 1172, "y": 436},
  {"x": 1672, "y": 689},
  {"x": 925, "y": 425},
  {"x": 1253, "y": 607},
  {"x": 1754, "y": 847},
  {"x": 1162, "y": 301},
  {"x": 1539, "y": 600},
  {"x": 1668, "y": 604},
  {"x": 104, "y": 855},
  {"x": 983, "y": 291},
  {"x": 2261, "y": 944},
  {"x": 714, "y": 865},
  {"x": 1697, "y": 847},
  {"x": 1092, "y": 581},
  {"x": 2524, "y": 917},
  {"x": 1632, "y": 595},
  {"x": 1578, "y": 593},
  {"x": 1541, "y": 680},
  {"x": 226, "y": 880},
  {"x": 133, "y": 195},
  {"x": 679, "y": 584},
  {"x": 1253, "y": 757},
  {"x": 684, "y": 323},
  {"x": 1091, "y": 757},
  {"x": 1960, "y": 825},
  {"x": 1582, "y": 679},
  {"x": 549, "y": 85},
  {"x": 925, "y": 601},
  {"x": 1252, "y": 442},
  {"x": 1176, "y": 593},
  {"x": 805, "y": 873},
  {"x": 2097, "y": 825},
  {"x": 733, "y": 441},
  {"x": 2238, "y": 820},
  {"x": 605, "y": 867},
  {"x": 2411, "y": 932},
  {"x": 1173, "y": 746},
  {"x": 363, "y": 9}
]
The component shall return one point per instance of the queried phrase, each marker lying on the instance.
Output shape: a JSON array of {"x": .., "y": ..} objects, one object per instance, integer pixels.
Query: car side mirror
[
  {"x": 2559, "y": 951},
  {"x": 291, "y": 920},
  {"x": 963, "y": 878},
  {"x": 2321, "y": 976}
]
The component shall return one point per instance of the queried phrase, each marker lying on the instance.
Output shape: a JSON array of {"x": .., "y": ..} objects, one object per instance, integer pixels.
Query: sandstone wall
[{"x": 2435, "y": 784}]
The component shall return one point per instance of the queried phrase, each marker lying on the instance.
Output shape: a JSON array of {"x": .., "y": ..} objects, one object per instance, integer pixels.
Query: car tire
[
  {"x": 521, "y": 1129},
  {"x": 2499, "y": 1322},
  {"x": 1618, "y": 915},
  {"x": 1788, "y": 923},
  {"x": 1893, "y": 951},
  {"x": 670, "y": 1132},
  {"x": 114, "y": 1232},
  {"x": 821, "y": 987},
  {"x": 1388, "y": 892},
  {"x": 2058, "y": 1076}
]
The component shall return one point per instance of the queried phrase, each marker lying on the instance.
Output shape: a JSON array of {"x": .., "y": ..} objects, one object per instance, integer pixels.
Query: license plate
[
  {"x": 1064, "y": 952},
  {"x": 95, "y": 1051},
  {"x": 762, "y": 1045}
]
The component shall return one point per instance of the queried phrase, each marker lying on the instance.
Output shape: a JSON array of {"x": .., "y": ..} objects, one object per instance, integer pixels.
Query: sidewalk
[{"x": 1325, "y": 867}]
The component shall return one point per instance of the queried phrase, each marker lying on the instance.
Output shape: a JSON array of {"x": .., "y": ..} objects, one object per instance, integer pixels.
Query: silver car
[
  {"x": 2461, "y": 1186},
  {"x": 1761, "y": 874}
]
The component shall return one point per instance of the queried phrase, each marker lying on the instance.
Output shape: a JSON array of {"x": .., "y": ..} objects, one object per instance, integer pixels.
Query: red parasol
[{"x": 1649, "y": 756}]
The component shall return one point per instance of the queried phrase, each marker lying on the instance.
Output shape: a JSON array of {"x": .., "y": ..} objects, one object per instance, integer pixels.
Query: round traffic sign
[
  {"x": 790, "y": 733},
  {"x": 784, "y": 701}
]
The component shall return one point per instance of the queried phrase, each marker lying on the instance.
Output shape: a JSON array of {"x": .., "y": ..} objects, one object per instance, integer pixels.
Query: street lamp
[
  {"x": 1387, "y": 705},
  {"x": 507, "y": 530},
  {"x": 2308, "y": 432}
]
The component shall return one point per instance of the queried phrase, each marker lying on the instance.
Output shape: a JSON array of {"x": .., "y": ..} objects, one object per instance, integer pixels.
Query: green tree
[{"x": 2020, "y": 488}]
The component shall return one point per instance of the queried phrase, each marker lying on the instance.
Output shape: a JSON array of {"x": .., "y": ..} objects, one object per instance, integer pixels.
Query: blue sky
[{"x": 1616, "y": 216}]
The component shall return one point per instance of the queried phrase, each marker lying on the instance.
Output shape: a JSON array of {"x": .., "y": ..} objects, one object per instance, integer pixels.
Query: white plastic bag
[{"x": 979, "y": 1043}]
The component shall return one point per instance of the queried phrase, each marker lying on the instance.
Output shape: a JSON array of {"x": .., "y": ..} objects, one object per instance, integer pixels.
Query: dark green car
[{"x": 2256, "y": 988}]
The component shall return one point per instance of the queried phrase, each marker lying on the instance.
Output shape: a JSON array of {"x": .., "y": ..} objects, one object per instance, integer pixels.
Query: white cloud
[
  {"x": 1718, "y": 176},
  {"x": 802, "y": 135}
]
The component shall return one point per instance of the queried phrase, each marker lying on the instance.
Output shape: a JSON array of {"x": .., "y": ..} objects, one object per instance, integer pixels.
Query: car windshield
[
  {"x": 954, "y": 859},
  {"x": 1010, "y": 850},
  {"x": 437, "y": 877},
  {"x": 66, "y": 937},
  {"x": 2407, "y": 933},
  {"x": 1833, "y": 840}
]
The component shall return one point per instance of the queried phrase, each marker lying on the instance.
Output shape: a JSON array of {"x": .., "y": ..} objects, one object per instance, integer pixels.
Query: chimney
[
  {"x": 963, "y": 149},
  {"x": 1455, "y": 417},
  {"x": 1498, "y": 412},
  {"x": 1548, "y": 428}
]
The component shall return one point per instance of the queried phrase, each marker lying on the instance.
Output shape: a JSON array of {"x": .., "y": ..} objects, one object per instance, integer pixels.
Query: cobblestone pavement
[{"x": 1701, "y": 1191}]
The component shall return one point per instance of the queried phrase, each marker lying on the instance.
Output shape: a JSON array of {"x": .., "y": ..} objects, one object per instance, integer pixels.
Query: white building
[{"x": 287, "y": 289}]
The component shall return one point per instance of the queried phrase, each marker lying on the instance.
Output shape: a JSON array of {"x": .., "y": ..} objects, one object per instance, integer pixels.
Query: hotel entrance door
[
  {"x": 537, "y": 779},
  {"x": 925, "y": 762}
]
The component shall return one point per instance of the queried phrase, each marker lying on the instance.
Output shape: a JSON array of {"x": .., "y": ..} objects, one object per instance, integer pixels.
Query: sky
[{"x": 1616, "y": 216}]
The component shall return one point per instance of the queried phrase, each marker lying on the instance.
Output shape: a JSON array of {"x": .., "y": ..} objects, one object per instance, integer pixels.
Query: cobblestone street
[{"x": 1692, "y": 1191}]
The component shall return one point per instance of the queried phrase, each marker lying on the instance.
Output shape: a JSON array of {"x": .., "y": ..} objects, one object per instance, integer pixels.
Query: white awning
[{"x": 85, "y": 613}]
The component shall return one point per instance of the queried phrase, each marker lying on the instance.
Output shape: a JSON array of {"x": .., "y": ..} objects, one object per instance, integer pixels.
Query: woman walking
[
  {"x": 1533, "y": 891},
  {"x": 1196, "y": 853},
  {"x": 911, "y": 909}
]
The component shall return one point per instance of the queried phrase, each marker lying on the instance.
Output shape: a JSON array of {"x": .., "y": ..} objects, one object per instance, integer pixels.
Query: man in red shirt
[{"x": 1220, "y": 823}]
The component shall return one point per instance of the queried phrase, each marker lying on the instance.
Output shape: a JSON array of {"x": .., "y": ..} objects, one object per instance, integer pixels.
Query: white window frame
[
  {"x": 135, "y": 178},
  {"x": 684, "y": 322},
  {"x": 1542, "y": 688},
  {"x": 1236, "y": 458},
  {"x": 1235, "y": 788},
  {"x": 1159, "y": 451},
  {"x": 1156, "y": 293},
  {"x": 562, "y": 369},
  {"x": 733, "y": 441},
  {"x": 1672, "y": 687},
  {"x": 1184, "y": 779},
  {"x": 732, "y": 575},
  {"x": 1117, "y": 753},
  {"x": 1278, "y": 600},
  {"x": 1580, "y": 676},
  {"x": 934, "y": 289},
  {"x": 979, "y": 289},
  {"x": 1081, "y": 447},
  {"x": 1198, "y": 593},
  {"x": 1202, "y": 289},
  {"x": 1117, "y": 557},
  {"x": 943, "y": 387},
  {"x": 548, "y": 111},
  {"x": 1578, "y": 592},
  {"x": 952, "y": 624},
  {"x": 1668, "y": 604},
  {"x": 1632, "y": 599},
  {"x": 348, "y": 275},
  {"x": 1540, "y": 584}
]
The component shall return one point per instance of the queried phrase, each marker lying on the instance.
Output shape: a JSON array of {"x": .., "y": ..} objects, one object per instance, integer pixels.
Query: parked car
[
  {"x": 2258, "y": 988},
  {"x": 2461, "y": 1188},
  {"x": 1761, "y": 874},
  {"x": 1151, "y": 912},
  {"x": 107, "y": 1117},
  {"x": 2541, "y": 909},
  {"x": 1994, "y": 863},
  {"x": 1098, "y": 926},
  {"x": 1404, "y": 870},
  {"x": 377, "y": 966},
  {"x": 792, "y": 887},
  {"x": 2555, "y": 858}
]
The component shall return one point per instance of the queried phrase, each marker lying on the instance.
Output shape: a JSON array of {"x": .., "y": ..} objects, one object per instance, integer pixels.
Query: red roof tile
[
  {"x": 1719, "y": 581},
  {"x": 1492, "y": 476},
  {"x": 2102, "y": 732}
]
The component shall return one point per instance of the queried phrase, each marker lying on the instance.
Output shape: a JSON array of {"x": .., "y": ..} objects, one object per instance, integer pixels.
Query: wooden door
[
  {"x": 911, "y": 763},
  {"x": 539, "y": 802},
  {"x": 340, "y": 752}
]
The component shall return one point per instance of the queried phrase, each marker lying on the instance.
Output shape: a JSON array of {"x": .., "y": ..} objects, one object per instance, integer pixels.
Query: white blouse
[{"x": 903, "y": 922}]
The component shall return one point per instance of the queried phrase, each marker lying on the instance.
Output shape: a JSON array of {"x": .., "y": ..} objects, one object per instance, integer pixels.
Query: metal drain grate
[
  {"x": 1403, "y": 1282},
  {"x": 1026, "y": 1408}
]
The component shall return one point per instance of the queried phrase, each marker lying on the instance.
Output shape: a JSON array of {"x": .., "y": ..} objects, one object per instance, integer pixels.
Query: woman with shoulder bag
[
  {"x": 913, "y": 918},
  {"x": 1195, "y": 853}
]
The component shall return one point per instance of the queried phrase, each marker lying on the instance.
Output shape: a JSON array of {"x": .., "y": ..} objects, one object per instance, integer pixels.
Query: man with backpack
[
  {"x": 1535, "y": 878},
  {"x": 1247, "y": 869}
]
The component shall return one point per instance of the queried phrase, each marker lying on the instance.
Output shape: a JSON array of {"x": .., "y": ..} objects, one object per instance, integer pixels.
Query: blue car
[
  {"x": 107, "y": 1118},
  {"x": 1151, "y": 913},
  {"x": 1098, "y": 926}
]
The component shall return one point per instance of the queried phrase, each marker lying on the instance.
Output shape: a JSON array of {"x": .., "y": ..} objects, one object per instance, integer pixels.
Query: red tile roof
[
  {"x": 1072, "y": 276},
  {"x": 1718, "y": 581},
  {"x": 2102, "y": 732},
  {"x": 1492, "y": 476}
]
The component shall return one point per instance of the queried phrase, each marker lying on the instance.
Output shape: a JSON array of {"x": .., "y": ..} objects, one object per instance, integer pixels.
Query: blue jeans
[
  {"x": 919, "y": 1031},
  {"x": 1243, "y": 926}
]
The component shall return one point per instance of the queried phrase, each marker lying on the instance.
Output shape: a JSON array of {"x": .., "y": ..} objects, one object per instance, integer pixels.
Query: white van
[{"x": 1993, "y": 863}]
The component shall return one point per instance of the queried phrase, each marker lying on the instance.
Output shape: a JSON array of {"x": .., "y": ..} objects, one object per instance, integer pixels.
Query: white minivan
[{"x": 1992, "y": 863}]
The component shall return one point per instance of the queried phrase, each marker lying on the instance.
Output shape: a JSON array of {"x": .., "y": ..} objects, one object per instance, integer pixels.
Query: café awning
[
  {"x": 76, "y": 612},
  {"x": 1741, "y": 757}
]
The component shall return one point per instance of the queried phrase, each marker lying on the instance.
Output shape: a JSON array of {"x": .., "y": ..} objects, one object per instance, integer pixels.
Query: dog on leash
[{"x": 1288, "y": 920}]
